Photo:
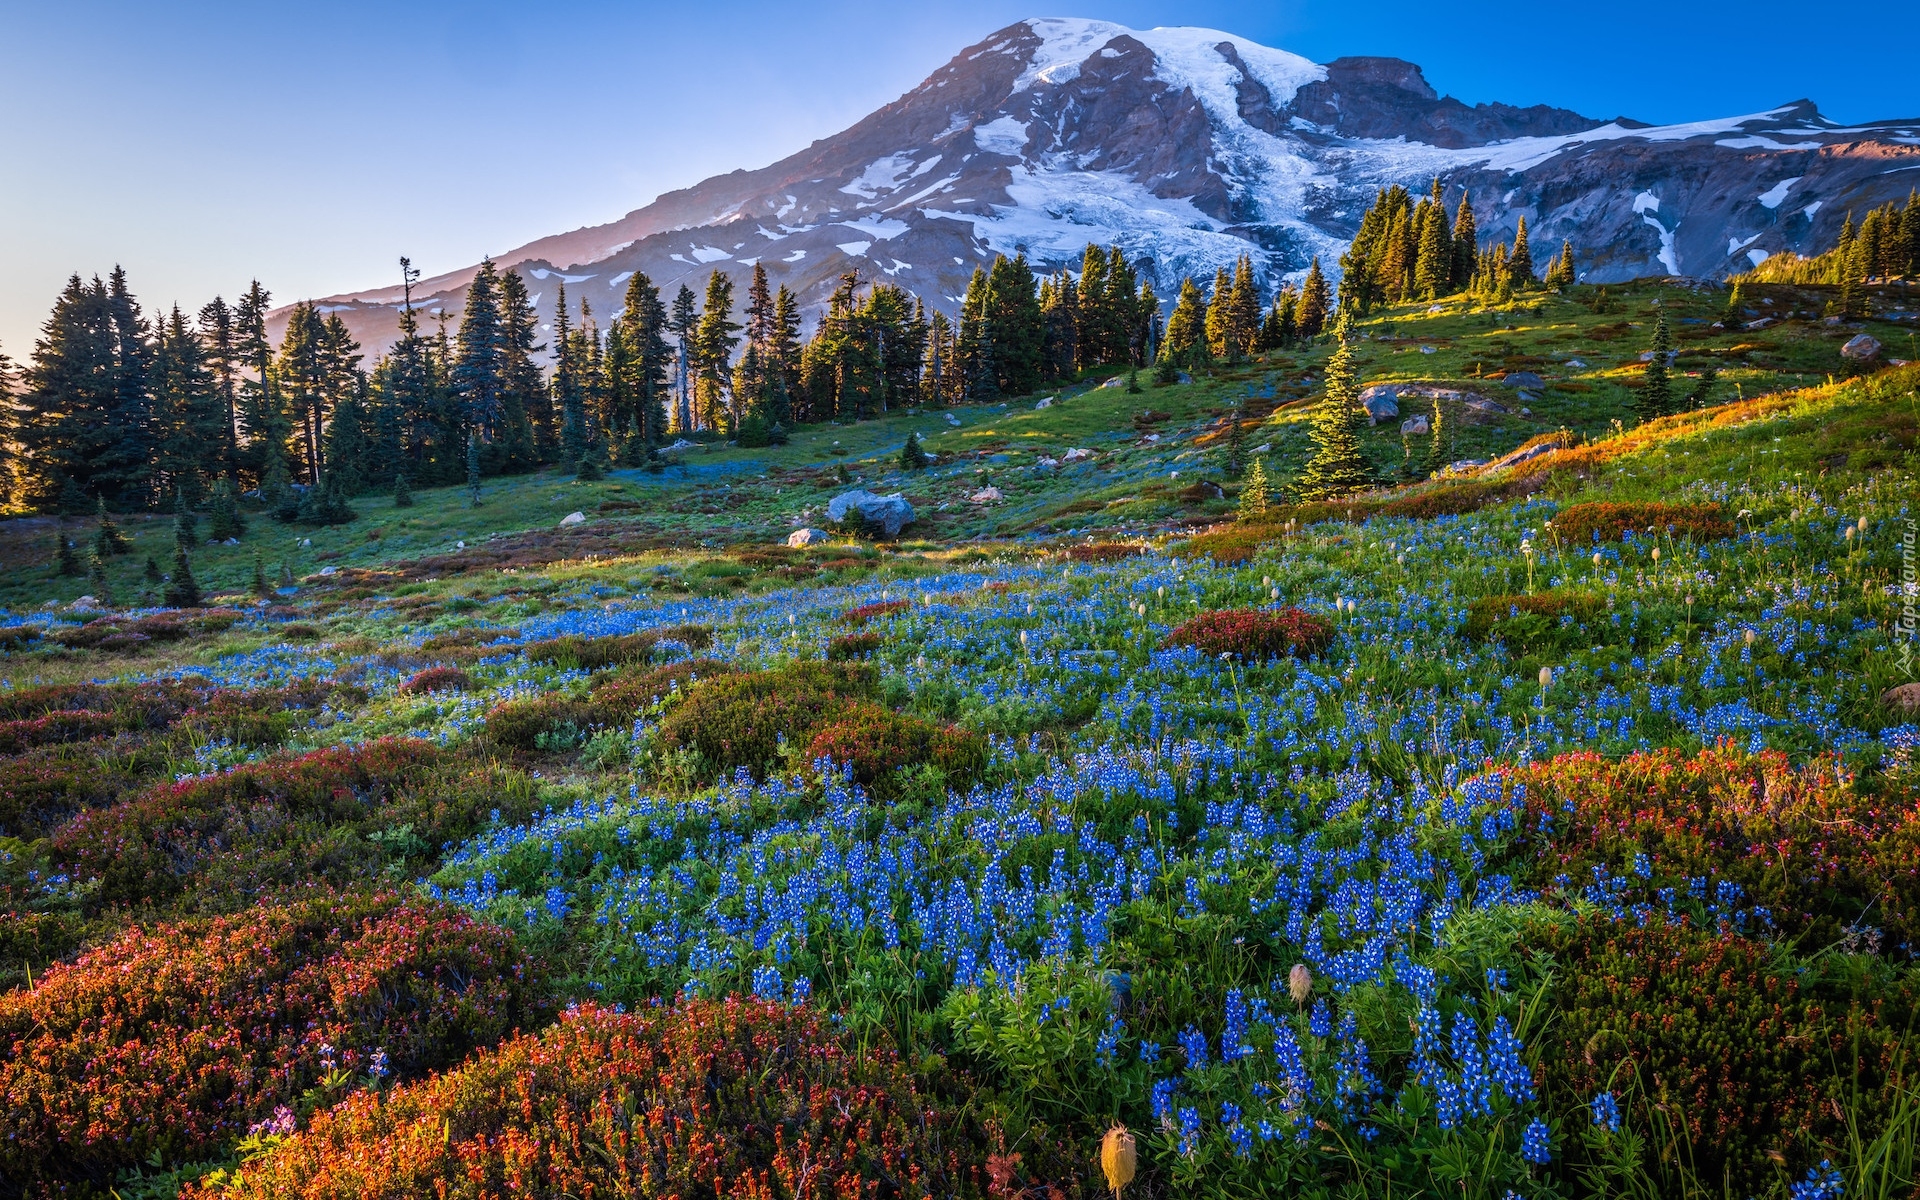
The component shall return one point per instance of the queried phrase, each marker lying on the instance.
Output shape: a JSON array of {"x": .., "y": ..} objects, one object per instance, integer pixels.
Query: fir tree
[
  {"x": 1655, "y": 399},
  {"x": 65, "y": 562},
  {"x": 473, "y": 468},
  {"x": 1735, "y": 316},
  {"x": 1311, "y": 315},
  {"x": 478, "y": 369},
  {"x": 1433, "y": 269},
  {"x": 714, "y": 342},
  {"x": 1436, "y": 447},
  {"x": 402, "y": 497},
  {"x": 683, "y": 320},
  {"x": 276, "y": 488},
  {"x": 1520, "y": 262},
  {"x": 186, "y": 524},
  {"x": 1221, "y": 343},
  {"x": 222, "y": 349},
  {"x": 1337, "y": 466},
  {"x": 1702, "y": 391},
  {"x": 1236, "y": 440},
  {"x": 224, "y": 522},
  {"x": 524, "y": 434},
  {"x": 260, "y": 586},
  {"x": 299, "y": 375},
  {"x": 152, "y": 572},
  {"x": 912, "y": 457},
  {"x": 264, "y": 427},
  {"x": 107, "y": 538},
  {"x": 1186, "y": 327},
  {"x": 97, "y": 581},
  {"x": 1254, "y": 493},
  {"x": 1466, "y": 244},
  {"x": 182, "y": 590}
]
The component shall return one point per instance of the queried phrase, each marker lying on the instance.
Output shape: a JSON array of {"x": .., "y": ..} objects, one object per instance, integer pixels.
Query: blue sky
[{"x": 202, "y": 145}]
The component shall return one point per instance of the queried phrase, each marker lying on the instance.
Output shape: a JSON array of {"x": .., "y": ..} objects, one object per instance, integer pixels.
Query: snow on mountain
[{"x": 1189, "y": 147}]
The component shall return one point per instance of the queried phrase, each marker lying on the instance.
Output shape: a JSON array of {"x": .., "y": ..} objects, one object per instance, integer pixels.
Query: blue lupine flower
[
  {"x": 1606, "y": 1113},
  {"x": 1536, "y": 1144},
  {"x": 1822, "y": 1183}
]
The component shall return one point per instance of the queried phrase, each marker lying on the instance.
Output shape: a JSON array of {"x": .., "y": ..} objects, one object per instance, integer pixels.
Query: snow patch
[
  {"x": 1772, "y": 197},
  {"x": 1754, "y": 141},
  {"x": 619, "y": 279},
  {"x": 796, "y": 256},
  {"x": 1186, "y": 57},
  {"x": 856, "y": 249},
  {"x": 1004, "y": 135},
  {"x": 1757, "y": 256},
  {"x": 1065, "y": 43},
  {"x": 575, "y": 278},
  {"x": 1646, "y": 202},
  {"x": 880, "y": 229},
  {"x": 1813, "y": 208},
  {"x": 881, "y": 175},
  {"x": 539, "y": 272},
  {"x": 705, "y": 254},
  {"x": 1735, "y": 245}
]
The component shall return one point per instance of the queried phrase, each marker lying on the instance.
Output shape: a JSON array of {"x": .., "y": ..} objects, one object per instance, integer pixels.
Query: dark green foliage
[
  {"x": 912, "y": 457},
  {"x": 740, "y": 720},
  {"x": 1520, "y": 261},
  {"x": 183, "y": 591},
  {"x": 65, "y": 562},
  {"x": 152, "y": 573},
  {"x": 97, "y": 580},
  {"x": 107, "y": 538},
  {"x": 223, "y": 513},
  {"x": 1337, "y": 466},
  {"x": 1536, "y": 623},
  {"x": 1655, "y": 399},
  {"x": 259, "y": 586},
  {"x": 325, "y": 503},
  {"x": 402, "y": 495},
  {"x": 594, "y": 654}
]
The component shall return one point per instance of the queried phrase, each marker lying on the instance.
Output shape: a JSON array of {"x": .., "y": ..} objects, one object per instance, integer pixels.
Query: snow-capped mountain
[{"x": 1189, "y": 147}]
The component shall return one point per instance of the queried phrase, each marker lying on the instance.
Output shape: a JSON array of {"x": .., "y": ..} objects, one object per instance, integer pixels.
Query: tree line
[
  {"x": 142, "y": 412},
  {"x": 1408, "y": 250}
]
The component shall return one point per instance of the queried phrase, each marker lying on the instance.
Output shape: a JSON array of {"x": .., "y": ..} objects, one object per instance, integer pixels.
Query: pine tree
[
  {"x": 643, "y": 380},
  {"x": 1311, "y": 315},
  {"x": 1337, "y": 466},
  {"x": 1186, "y": 326},
  {"x": 1466, "y": 244},
  {"x": 1220, "y": 340},
  {"x": 1655, "y": 399},
  {"x": 264, "y": 427},
  {"x": 1433, "y": 269},
  {"x": 152, "y": 573},
  {"x": 276, "y": 488},
  {"x": 1096, "y": 331},
  {"x": 1013, "y": 325},
  {"x": 217, "y": 337},
  {"x": 1236, "y": 440},
  {"x": 524, "y": 435},
  {"x": 1563, "y": 274},
  {"x": 912, "y": 457},
  {"x": 1436, "y": 447},
  {"x": 107, "y": 538},
  {"x": 402, "y": 496},
  {"x": 479, "y": 366},
  {"x": 189, "y": 442},
  {"x": 473, "y": 468},
  {"x": 1243, "y": 307},
  {"x": 66, "y": 412},
  {"x": 682, "y": 322},
  {"x": 182, "y": 590},
  {"x": 714, "y": 342},
  {"x": 299, "y": 375},
  {"x": 65, "y": 562},
  {"x": 186, "y": 524},
  {"x": 1702, "y": 391},
  {"x": 1254, "y": 494},
  {"x": 224, "y": 522},
  {"x": 1520, "y": 262},
  {"x": 260, "y": 586},
  {"x": 97, "y": 581},
  {"x": 1735, "y": 316}
]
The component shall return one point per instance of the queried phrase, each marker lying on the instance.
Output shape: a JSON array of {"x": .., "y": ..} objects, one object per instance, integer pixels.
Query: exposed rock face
[
  {"x": 1189, "y": 147},
  {"x": 863, "y": 509},
  {"x": 1861, "y": 348},
  {"x": 801, "y": 538}
]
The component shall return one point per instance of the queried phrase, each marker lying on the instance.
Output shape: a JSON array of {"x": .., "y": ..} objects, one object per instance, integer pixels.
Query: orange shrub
[
  {"x": 171, "y": 1040},
  {"x": 706, "y": 1099},
  {"x": 876, "y": 742},
  {"x": 1254, "y": 634},
  {"x": 1608, "y": 521}
]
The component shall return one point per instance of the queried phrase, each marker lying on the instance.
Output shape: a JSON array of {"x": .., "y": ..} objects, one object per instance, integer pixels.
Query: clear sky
[{"x": 203, "y": 144}]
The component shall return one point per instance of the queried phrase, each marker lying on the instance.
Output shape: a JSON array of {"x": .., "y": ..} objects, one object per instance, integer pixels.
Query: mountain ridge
[{"x": 1188, "y": 147}]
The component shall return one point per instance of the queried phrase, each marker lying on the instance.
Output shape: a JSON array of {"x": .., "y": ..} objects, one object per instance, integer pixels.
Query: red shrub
[
  {"x": 1750, "y": 1057},
  {"x": 146, "y": 848},
  {"x": 867, "y": 612},
  {"x": 877, "y": 741},
  {"x": 709, "y": 1099},
  {"x": 436, "y": 679},
  {"x": 171, "y": 1040},
  {"x": 1804, "y": 843},
  {"x": 1102, "y": 551},
  {"x": 1608, "y": 521},
  {"x": 42, "y": 788},
  {"x": 1255, "y": 634},
  {"x": 853, "y": 645},
  {"x": 78, "y": 726}
]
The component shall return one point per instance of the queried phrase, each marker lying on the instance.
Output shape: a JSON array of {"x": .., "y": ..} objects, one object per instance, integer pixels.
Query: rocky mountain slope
[{"x": 1189, "y": 147}]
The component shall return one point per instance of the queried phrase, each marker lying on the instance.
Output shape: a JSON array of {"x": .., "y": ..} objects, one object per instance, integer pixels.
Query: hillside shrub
[
  {"x": 1716, "y": 1049},
  {"x": 1608, "y": 521},
  {"x": 1254, "y": 634},
  {"x": 1728, "y": 836},
  {"x": 436, "y": 679},
  {"x": 876, "y": 742},
  {"x": 853, "y": 645},
  {"x": 263, "y": 823},
  {"x": 1233, "y": 545},
  {"x": 41, "y": 789},
  {"x": 599, "y": 653},
  {"x": 866, "y": 612},
  {"x": 741, "y": 720},
  {"x": 1102, "y": 552},
  {"x": 543, "y": 722},
  {"x": 1529, "y": 624},
  {"x": 54, "y": 728},
  {"x": 703, "y": 1099},
  {"x": 168, "y": 1042}
]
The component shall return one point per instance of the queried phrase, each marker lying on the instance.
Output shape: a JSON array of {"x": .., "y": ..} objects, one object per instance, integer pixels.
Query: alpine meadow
[{"x": 1152, "y": 619}]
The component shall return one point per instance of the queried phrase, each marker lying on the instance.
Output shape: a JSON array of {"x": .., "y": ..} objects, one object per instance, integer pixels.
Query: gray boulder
[
  {"x": 808, "y": 537},
  {"x": 1415, "y": 427},
  {"x": 1861, "y": 348},
  {"x": 885, "y": 514},
  {"x": 1381, "y": 402},
  {"x": 1525, "y": 379}
]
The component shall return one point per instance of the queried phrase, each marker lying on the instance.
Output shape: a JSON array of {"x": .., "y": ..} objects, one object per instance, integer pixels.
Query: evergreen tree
[
  {"x": 1014, "y": 325},
  {"x": 1186, "y": 326},
  {"x": 264, "y": 426},
  {"x": 1433, "y": 269},
  {"x": 107, "y": 538},
  {"x": 642, "y": 380},
  {"x": 183, "y": 591},
  {"x": 402, "y": 495},
  {"x": 65, "y": 562},
  {"x": 152, "y": 573},
  {"x": 1562, "y": 274},
  {"x": 1254, "y": 496},
  {"x": 260, "y": 586},
  {"x": 524, "y": 434},
  {"x": 1466, "y": 243},
  {"x": 1310, "y": 316},
  {"x": 324, "y": 503},
  {"x": 1734, "y": 317},
  {"x": 713, "y": 343},
  {"x": 1520, "y": 262},
  {"x": 276, "y": 489},
  {"x": 67, "y": 414},
  {"x": 1655, "y": 399},
  {"x": 1096, "y": 332},
  {"x": 1236, "y": 440},
  {"x": 1219, "y": 321},
  {"x": 478, "y": 369},
  {"x": 300, "y": 377},
  {"x": 97, "y": 581},
  {"x": 1436, "y": 446},
  {"x": 188, "y": 415},
  {"x": 1243, "y": 307},
  {"x": 683, "y": 320},
  {"x": 474, "y": 451},
  {"x": 224, "y": 522},
  {"x": 912, "y": 457},
  {"x": 1337, "y": 466},
  {"x": 350, "y": 444},
  {"x": 410, "y": 434},
  {"x": 1061, "y": 322},
  {"x": 186, "y": 525},
  {"x": 1702, "y": 391},
  {"x": 222, "y": 350}
]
